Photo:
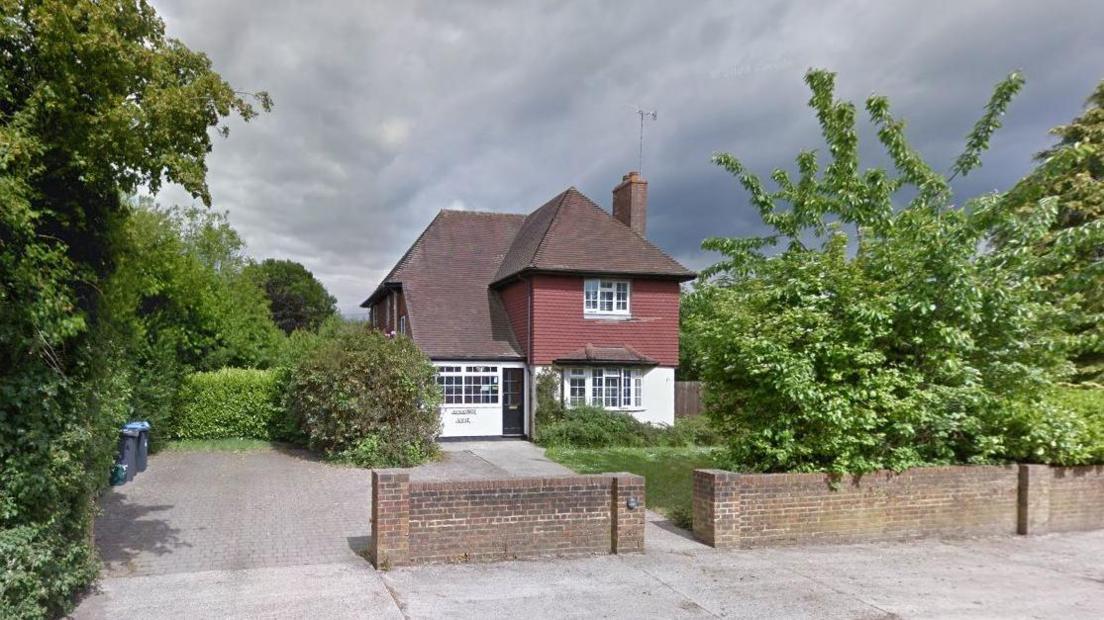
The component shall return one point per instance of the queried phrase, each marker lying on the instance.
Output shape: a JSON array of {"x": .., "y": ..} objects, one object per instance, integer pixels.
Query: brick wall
[
  {"x": 560, "y": 328},
  {"x": 397, "y": 303},
  {"x": 748, "y": 510},
  {"x": 487, "y": 520},
  {"x": 1061, "y": 499}
]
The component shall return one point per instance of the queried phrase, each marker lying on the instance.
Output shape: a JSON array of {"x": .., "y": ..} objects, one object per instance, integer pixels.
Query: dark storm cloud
[{"x": 387, "y": 112}]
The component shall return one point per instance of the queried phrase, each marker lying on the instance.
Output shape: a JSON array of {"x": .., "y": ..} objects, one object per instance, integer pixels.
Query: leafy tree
[
  {"x": 909, "y": 341},
  {"x": 1071, "y": 265},
  {"x": 95, "y": 101},
  {"x": 298, "y": 300},
  {"x": 178, "y": 303}
]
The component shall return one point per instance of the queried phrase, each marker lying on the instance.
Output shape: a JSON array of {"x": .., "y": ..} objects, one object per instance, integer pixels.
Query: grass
[
  {"x": 215, "y": 445},
  {"x": 668, "y": 472}
]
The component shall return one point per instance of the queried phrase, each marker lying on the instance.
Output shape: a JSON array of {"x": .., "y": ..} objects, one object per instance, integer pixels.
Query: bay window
[
  {"x": 606, "y": 297},
  {"x": 606, "y": 387}
]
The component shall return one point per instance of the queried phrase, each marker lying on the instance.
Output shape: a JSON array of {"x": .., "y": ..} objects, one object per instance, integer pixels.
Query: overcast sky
[{"x": 386, "y": 112}]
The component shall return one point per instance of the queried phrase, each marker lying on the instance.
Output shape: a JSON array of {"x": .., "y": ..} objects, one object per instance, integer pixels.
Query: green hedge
[
  {"x": 229, "y": 403},
  {"x": 594, "y": 427}
]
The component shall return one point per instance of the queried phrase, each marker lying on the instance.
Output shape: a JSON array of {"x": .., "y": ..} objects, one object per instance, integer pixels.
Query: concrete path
[
  {"x": 275, "y": 534},
  {"x": 463, "y": 460}
]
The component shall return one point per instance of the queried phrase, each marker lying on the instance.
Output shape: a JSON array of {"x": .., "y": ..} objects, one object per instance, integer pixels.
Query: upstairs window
[{"x": 606, "y": 297}]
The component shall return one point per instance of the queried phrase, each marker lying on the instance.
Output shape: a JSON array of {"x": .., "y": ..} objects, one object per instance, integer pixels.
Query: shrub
[
  {"x": 594, "y": 427},
  {"x": 228, "y": 403},
  {"x": 695, "y": 431},
  {"x": 368, "y": 399},
  {"x": 549, "y": 406},
  {"x": 1067, "y": 428}
]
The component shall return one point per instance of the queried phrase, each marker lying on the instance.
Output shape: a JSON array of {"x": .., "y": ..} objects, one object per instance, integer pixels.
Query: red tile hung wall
[
  {"x": 515, "y": 298},
  {"x": 560, "y": 328}
]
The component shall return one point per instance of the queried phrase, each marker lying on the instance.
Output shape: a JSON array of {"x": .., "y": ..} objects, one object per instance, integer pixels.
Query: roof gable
[
  {"x": 444, "y": 278},
  {"x": 572, "y": 233}
]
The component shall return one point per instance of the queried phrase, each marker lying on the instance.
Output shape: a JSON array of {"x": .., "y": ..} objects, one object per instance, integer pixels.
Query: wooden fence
[{"x": 688, "y": 402}]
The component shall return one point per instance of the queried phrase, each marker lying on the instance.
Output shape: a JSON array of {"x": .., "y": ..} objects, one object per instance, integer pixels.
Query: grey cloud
[{"x": 387, "y": 112}]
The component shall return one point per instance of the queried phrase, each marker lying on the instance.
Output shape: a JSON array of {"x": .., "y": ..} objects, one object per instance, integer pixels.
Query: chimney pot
[{"x": 630, "y": 202}]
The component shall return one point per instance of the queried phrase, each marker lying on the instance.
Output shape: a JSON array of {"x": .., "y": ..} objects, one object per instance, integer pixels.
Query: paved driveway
[{"x": 275, "y": 534}]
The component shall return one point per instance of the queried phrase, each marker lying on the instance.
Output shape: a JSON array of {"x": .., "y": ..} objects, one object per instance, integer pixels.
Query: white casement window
[
  {"x": 402, "y": 324},
  {"x": 606, "y": 297},
  {"x": 609, "y": 388},
  {"x": 576, "y": 387},
  {"x": 469, "y": 385}
]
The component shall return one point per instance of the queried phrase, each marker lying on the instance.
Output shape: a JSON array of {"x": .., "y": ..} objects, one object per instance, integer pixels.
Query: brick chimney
[{"x": 630, "y": 202}]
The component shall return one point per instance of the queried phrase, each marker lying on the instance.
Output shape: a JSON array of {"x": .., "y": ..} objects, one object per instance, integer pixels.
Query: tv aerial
[{"x": 644, "y": 114}]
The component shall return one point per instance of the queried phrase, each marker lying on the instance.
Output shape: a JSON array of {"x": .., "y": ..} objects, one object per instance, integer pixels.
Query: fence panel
[{"x": 688, "y": 402}]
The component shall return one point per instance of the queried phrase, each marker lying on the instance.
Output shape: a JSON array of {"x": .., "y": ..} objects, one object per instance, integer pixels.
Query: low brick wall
[
  {"x": 751, "y": 510},
  {"x": 1061, "y": 499},
  {"x": 487, "y": 520}
]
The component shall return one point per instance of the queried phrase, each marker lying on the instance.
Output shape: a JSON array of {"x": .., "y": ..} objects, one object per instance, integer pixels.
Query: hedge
[{"x": 229, "y": 403}]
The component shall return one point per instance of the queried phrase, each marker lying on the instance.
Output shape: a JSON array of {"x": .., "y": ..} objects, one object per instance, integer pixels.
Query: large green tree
[
  {"x": 178, "y": 302},
  {"x": 95, "y": 101},
  {"x": 298, "y": 300},
  {"x": 1071, "y": 265},
  {"x": 876, "y": 328}
]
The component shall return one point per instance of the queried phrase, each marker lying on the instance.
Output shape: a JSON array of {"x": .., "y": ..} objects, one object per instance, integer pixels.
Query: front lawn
[{"x": 668, "y": 472}]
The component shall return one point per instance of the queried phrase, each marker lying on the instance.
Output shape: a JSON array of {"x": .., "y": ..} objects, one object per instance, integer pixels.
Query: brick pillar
[
  {"x": 716, "y": 508},
  {"x": 628, "y": 523},
  {"x": 1033, "y": 507},
  {"x": 703, "y": 506},
  {"x": 390, "y": 518}
]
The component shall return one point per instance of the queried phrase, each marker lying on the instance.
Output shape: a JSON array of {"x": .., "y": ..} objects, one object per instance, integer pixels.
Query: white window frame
[
  {"x": 470, "y": 384},
  {"x": 620, "y": 389},
  {"x": 402, "y": 324},
  {"x": 607, "y": 298}
]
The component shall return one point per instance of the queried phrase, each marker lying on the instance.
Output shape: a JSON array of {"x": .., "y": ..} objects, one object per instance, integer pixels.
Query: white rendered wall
[
  {"x": 478, "y": 420},
  {"x": 657, "y": 395}
]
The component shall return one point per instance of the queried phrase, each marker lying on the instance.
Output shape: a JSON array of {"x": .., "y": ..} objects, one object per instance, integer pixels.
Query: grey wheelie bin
[
  {"x": 142, "y": 452},
  {"x": 128, "y": 451}
]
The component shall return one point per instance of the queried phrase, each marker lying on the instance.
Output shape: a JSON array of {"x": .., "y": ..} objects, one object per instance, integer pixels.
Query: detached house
[{"x": 493, "y": 299}]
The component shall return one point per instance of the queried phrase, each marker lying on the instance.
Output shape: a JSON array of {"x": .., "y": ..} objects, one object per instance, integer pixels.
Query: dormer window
[{"x": 606, "y": 297}]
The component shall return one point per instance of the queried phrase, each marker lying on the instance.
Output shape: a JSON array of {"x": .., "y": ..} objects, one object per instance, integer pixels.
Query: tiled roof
[
  {"x": 448, "y": 275},
  {"x": 444, "y": 277},
  {"x": 591, "y": 354},
  {"x": 571, "y": 233}
]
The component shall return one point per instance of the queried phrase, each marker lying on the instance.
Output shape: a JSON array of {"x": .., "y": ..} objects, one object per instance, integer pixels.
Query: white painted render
[
  {"x": 657, "y": 397},
  {"x": 480, "y": 420}
]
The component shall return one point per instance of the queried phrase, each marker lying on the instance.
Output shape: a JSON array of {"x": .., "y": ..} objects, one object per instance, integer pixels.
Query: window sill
[{"x": 607, "y": 317}]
